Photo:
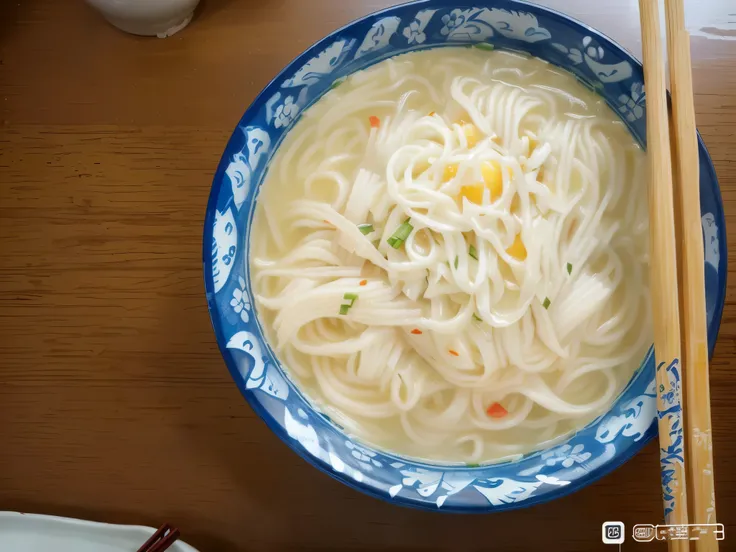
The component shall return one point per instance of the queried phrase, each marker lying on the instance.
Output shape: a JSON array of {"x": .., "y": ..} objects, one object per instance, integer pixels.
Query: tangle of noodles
[{"x": 511, "y": 309}]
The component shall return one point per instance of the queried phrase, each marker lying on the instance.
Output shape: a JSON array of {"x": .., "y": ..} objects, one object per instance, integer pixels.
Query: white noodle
[{"x": 436, "y": 336}]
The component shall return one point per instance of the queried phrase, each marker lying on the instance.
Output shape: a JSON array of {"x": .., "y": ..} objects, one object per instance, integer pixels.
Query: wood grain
[{"x": 114, "y": 402}]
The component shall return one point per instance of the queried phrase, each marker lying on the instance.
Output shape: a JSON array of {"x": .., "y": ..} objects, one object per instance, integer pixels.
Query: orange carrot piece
[
  {"x": 454, "y": 353},
  {"x": 496, "y": 410},
  {"x": 375, "y": 121},
  {"x": 363, "y": 282},
  {"x": 416, "y": 331}
]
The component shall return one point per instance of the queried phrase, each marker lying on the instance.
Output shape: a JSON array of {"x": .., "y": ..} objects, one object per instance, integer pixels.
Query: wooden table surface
[{"x": 115, "y": 404}]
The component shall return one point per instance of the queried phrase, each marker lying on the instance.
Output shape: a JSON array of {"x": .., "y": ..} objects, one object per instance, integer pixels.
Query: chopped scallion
[
  {"x": 457, "y": 259},
  {"x": 546, "y": 303},
  {"x": 472, "y": 465},
  {"x": 472, "y": 252},
  {"x": 478, "y": 318},
  {"x": 336, "y": 83},
  {"x": 569, "y": 268},
  {"x": 399, "y": 236},
  {"x": 348, "y": 297},
  {"x": 365, "y": 229},
  {"x": 483, "y": 46}
]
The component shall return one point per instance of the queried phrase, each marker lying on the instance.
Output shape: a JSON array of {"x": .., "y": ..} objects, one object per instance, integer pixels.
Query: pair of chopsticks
[
  {"x": 686, "y": 457},
  {"x": 161, "y": 540}
]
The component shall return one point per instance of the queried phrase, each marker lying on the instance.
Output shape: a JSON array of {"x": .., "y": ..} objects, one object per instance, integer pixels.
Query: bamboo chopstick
[
  {"x": 663, "y": 277},
  {"x": 695, "y": 360}
]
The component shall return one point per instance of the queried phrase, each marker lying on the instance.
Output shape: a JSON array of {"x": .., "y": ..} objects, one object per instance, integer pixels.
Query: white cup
[{"x": 160, "y": 18}]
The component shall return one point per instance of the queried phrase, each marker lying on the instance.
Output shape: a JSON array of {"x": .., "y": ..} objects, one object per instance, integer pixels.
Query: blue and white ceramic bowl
[{"x": 600, "y": 64}]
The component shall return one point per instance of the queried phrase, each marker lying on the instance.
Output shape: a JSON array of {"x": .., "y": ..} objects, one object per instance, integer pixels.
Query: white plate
[{"x": 37, "y": 533}]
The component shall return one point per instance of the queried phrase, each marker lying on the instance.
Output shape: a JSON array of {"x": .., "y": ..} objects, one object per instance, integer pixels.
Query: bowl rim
[{"x": 366, "y": 487}]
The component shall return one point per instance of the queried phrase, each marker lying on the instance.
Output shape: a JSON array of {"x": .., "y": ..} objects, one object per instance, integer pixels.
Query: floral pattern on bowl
[{"x": 599, "y": 64}]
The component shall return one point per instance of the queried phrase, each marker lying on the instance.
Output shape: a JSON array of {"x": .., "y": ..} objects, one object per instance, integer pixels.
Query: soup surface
[{"x": 450, "y": 255}]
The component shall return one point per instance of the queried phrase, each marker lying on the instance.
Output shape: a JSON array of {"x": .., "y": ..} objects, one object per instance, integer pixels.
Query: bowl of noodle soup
[{"x": 426, "y": 255}]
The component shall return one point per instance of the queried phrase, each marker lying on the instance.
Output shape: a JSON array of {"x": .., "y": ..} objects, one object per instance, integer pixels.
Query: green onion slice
[
  {"x": 336, "y": 83},
  {"x": 399, "y": 236}
]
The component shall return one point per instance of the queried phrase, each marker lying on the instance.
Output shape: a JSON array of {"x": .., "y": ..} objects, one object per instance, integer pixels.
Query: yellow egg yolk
[
  {"x": 492, "y": 180},
  {"x": 449, "y": 173},
  {"x": 517, "y": 249},
  {"x": 472, "y": 134}
]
